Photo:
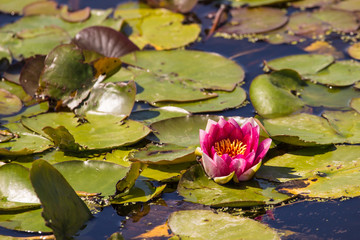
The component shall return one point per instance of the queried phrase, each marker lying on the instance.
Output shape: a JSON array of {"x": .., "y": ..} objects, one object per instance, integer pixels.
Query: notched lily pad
[
  {"x": 9, "y": 103},
  {"x": 77, "y": 16},
  {"x": 164, "y": 154},
  {"x": 303, "y": 63},
  {"x": 152, "y": 115},
  {"x": 355, "y": 104},
  {"x": 196, "y": 187},
  {"x": 205, "y": 224}
]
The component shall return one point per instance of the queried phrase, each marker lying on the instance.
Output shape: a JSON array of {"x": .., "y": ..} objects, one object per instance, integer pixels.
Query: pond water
[{"x": 333, "y": 219}]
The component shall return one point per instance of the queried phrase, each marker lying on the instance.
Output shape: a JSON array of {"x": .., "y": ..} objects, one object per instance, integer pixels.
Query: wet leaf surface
[{"x": 205, "y": 224}]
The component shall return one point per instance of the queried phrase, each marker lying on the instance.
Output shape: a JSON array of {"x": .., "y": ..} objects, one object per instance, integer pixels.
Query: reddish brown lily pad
[
  {"x": 77, "y": 16},
  {"x": 42, "y": 7}
]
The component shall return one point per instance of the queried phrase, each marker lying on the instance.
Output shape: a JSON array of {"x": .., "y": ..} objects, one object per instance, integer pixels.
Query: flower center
[{"x": 231, "y": 148}]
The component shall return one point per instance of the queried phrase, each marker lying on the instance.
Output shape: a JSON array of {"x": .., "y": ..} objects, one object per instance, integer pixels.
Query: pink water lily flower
[{"x": 230, "y": 151}]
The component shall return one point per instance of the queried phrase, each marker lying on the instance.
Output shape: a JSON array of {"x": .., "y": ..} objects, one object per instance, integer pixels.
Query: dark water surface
[{"x": 335, "y": 219}]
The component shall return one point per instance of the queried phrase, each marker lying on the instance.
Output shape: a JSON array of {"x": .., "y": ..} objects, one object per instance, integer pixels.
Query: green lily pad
[
  {"x": 65, "y": 73},
  {"x": 339, "y": 20},
  {"x": 110, "y": 98},
  {"x": 17, "y": 90},
  {"x": 29, "y": 111},
  {"x": 346, "y": 123},
  {"x": 164, "y": 154},
  {"x": 26, "y": 143},
  {"x": 167, "y": 31},
  {"x": 355, "y": 104},
  {"x": 182, "y": 131},
  {"x": 205, "y": 224},
  {"x": 152, "y": 115},
  {"x": 30, "y": 221},
  {"x": 109, "y": 131},
  {"x": 64, "y": 212},
  {"x": 153, "y": 88},
  {"x": 142, "y": 191},
  {"x": 62, "y": 139},
  {"x": 331, "y": 97},
  {"x": 16, "y": 192},
  {"x": 341, "y": 73},
  {"x": 14, "y": 6},
  {"x": 149, "y": 26},
  {"x": 325, "y": 173},
  {"x": 304, "y": 63},
  {"x": 86, "y": 175},
  {"x": 196, "y": 187},
  {"x": 190, "y": 67},
  {"x": 223, "y": 101},
  {"x": 31, "y": 42},
  {"x": 166, "y": 173},
  {"x": 9, "y": 103},
  {"x": 120, "y": 156},
  {"x": 302, "y": 129},
  {"x": 274, "y": 95},
  {"x": 354, "y": 51},
  {"x": 254, "y": 20}
]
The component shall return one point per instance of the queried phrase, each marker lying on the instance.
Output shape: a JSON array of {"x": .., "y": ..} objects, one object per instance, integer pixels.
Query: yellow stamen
[{"x": 233, "y": 148}]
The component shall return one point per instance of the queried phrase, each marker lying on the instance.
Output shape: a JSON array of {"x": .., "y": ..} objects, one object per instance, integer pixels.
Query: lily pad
[
  {"x": 205, "y": 224},
  {"x": 346, "y": 123},
  {"x": 142, "y": 191},
  {"x": 354, "y": 51},
  {"x": 325, "y": 173},
  {"x": 65, "y": 72},
  {"x": 355, "y": 104},
  {"x": 93, "y": 38},
  {"x": 166, "y": 173},
  {"x": 164, "y": 154},
  {"x": 26, "y": 143},
  {"x": 110, "y": 98},
  {"x": 331, "y": 97},
  {"x": 340, "y": 73},
  {"x": 109, "y": 131},
  {"x": 191, "y": 67},
  {"x": 311, "y": 3},
  {"x": 11, "y": 6},
  {"x": 168, "y": 31},
  {"x": 274, "y": 95},
  {"x": 254, "y": 3},
  {"x": 348, "y": 5},
  {"x": 16, "y": 192},
  {"x": 29, "y": 111},
  {"x": 64, "y": 212},
  {"x": 302, "y": 129},
  {"x": 223, "y": 101},
  {"x": 304, "y": 63},
  {"x": 30, "y": 74},
  {"x": 307, "y": 25},
  {"x": 196, "y": 187},
  {"x": 41, "y": 7},
  {"x": 30, "y": 221},
  {"x": 342, "y": 21},
  {"x": 75, "y": 16},
  {"x": 85, "y": 175},
  {"x": 152, "y": 115},
  {"x": 182, "y": 131},
  {"x": 149, "y": 26},
  {"x": 17, "y": 90},
  {"x": 254, "y": 20},
  {"x": 9, "y": 103}
]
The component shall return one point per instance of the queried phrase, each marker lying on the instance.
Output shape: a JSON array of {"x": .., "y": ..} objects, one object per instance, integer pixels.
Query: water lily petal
[
  {"x": 248, "y": 174},
  {"x": 236, "y": 134},
  {"x": 222, "y": 122},
  {"x": 205, "y": 141},
  {"x": 210, "y": 166},
  {"x": 234, "y": 123},
  {"x": 222, "y": 166},
  {"x": 209, "y": 124},
  {"x": 263, "y": 148},
  {"x": 224, "y": 179},
  {"x": 255, "y": 136},
  {"x": 250, "y": 160}
]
